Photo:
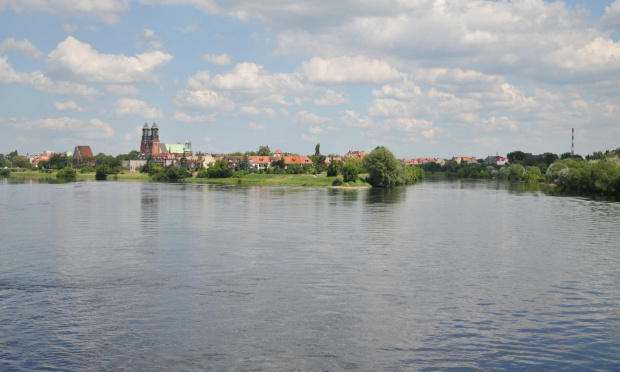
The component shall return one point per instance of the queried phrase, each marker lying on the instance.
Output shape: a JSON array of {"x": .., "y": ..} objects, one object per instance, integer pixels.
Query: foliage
[
  {"x": 334, "y": 168},
  {"x": 183, "y": 162},
  {"x": 2, "y": 161},
  {"x": 239, "y": 174},
  {"x": 66, "y": 174},
  {"x": 58, "y": 161},
  {"x": 219, "y": 169},
  {"x": 384, "y": 170},
  {"x": 171, "y": 174},
  {"x": 337, "y": 182},
  {"x": 5, "y": 172},
  {"x": 595, "y": 176},
  {"x": 44, "y": 164},
  {"x": 87, "y": 169},
  {"x": 244, "y": 164},
  {"x": 21, "y": 162},
  {"x": 295, "y": 169},
  {"x": 417, "y": 174},
  {"x": 101, "y": 172},
  {"x": 515, "y": 156},
  {"x": 350, "y": 172},
  {"x": 148, "y": 167},
  {"x": 280, "y": 163},
  {"x": 263, "y": 151}
]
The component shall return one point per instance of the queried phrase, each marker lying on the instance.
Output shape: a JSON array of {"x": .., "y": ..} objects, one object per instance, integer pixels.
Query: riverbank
[{"x": 252, "y": 179}]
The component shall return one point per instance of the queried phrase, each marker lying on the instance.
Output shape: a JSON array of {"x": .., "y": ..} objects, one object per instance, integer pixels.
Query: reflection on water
[{"x": 440, "y": 275}]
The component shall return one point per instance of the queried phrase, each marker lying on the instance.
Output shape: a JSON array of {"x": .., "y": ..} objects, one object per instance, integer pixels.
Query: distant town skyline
[{"x": 430, "y": 78}]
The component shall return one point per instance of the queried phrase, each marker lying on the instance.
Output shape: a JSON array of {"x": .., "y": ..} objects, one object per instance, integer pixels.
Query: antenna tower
[{"x": 572, "y": 144}]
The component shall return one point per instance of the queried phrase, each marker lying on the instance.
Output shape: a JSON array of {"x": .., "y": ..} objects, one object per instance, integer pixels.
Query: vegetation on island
[
  {"x": 384, "y": 170},
  {"x": 598, "y": 173}
]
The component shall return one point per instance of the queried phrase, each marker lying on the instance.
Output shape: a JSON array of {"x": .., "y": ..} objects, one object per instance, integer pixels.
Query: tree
[
  {"x": 334, "y": 168},
  {"x": 66, "y": 174},
  {"x": 350, "y": 172},
  {"x": 12, "y": 154},
  {"x": 263, "y": 151},
  {"x": 317, "y": 149},
  {"x": 21, "y": 162},
  {"x": 219, "y": 169},
  {"x": 515, "y": 156},
  {"x": 2, "y": 161},
  {"x": 101, "y": 172},
  {"x": 58, "y": 161},
  {"x": 148, "y": 167},
  {"x": 183, "y": 162},
  {"x": 244, "y": 164},
  {"x": 171, "y": 174},
  {"x": 44, "y": 164},
  {"x": 384, "y": 170}
]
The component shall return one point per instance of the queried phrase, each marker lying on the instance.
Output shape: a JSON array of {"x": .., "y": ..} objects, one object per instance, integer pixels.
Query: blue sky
[{"x": 425, "y": 78}]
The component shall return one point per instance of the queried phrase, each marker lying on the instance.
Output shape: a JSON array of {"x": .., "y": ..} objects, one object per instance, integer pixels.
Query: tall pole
[{"x": 572, "y": 144}]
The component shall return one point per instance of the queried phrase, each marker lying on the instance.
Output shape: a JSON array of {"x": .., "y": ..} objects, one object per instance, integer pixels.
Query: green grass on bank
[{"x": 253, "y": 179}]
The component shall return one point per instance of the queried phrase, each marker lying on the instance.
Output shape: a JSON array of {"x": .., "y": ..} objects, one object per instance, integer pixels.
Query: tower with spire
[{"x": 150, "y": 140}]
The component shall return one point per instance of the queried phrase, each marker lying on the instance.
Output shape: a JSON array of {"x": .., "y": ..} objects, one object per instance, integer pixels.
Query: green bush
[
  {"x": 66, "y": 174},
  {"x": 350, "y": 173},
  {"x": 337, "y": 182},
  {"x": 86, "y": 169},
  {"x": 101, "y": 173},
  {"x": 5, "y": 172}
]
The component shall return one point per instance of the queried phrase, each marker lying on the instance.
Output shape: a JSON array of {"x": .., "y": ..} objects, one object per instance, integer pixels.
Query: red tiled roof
[{"x": 84, "y": 151}]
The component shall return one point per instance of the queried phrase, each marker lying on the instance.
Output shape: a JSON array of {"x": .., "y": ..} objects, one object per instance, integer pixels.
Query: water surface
[{"x": 436, "y": 276}]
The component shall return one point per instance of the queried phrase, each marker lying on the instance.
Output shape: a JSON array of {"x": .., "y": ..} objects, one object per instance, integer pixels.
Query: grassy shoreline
[{"x": 253, "y": 179}]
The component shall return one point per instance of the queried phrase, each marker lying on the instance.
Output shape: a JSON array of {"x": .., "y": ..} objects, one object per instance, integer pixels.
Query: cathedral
[{"x": 150, "y": 144}]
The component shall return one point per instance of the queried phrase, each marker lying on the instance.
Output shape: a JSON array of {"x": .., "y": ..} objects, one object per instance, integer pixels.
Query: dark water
[{"x": 437, "y": 276}]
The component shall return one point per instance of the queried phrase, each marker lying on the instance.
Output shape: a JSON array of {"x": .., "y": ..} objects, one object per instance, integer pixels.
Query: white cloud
[
  {"x": 190, "y": 28},
  {"x": 186, "y": 118},
  {"x": 217, "y": 59},
  {"x": 104, "y": 10},
  {"x": 203, "y": 100},
  {"x": 330, "y": 97},
  {"x": 69, "y": 106},
  {"x": 82, "y": 62},
  {"x": 39, "y": 81},
  {"x": 348, "y": 70},
  {"x": 91, "y": 129},
  {"x": 255, "y": 126},
  {"x": 308, "y": 117},
  {"x": 122, "y": 90},
  {"x": 309, "y": 139},
  {"x": 129, "y": 107},
  {"x": 69, "y": 28},
  {"x": 154, "y": 42},
  {"x": 316, "y": 130},
  {"x": 25, "y": 46}
]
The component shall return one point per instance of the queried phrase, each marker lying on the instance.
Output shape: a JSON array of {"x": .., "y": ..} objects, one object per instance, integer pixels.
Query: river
[{"x": 435, "y": 276}]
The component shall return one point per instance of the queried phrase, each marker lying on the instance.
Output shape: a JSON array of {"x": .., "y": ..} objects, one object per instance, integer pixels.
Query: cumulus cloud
[
  {"x": 40, "y": 82},
  {"x": 348, "y": 70},
  {"x": 186, "y": 118},
  {"x": 122, "y": 90},
  {"x": 308, "y": 117},
  {"x": 104, "y": 10},
  {"x": 217, "y": 59},
  {"x": 80, "y": 61},
  {"x": 203, "y": 100},
  {"x": 255, "y": 126},
  {"x": 309, "y": 139},
  {"x": 90, "y": 129},
  {"x": 129, "y": 107},
  {"x": 69, "y": 106},
  {"x": 25, "y": 46},
  {"x": 330, "y": 97}
]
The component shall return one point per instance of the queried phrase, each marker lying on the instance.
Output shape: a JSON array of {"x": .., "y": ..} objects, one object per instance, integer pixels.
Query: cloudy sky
[{"x": 426, "y": 78}]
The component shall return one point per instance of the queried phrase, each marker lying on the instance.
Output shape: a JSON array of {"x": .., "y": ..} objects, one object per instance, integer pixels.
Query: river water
[{"x": 436, "y": 276}]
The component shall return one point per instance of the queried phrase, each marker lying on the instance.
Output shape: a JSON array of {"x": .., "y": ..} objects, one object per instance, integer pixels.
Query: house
[
  {"x": 355, "y": 154},
  {"x": 296, "y": 159},
  {"x": 259, "y": 162},
  {"x": 278, "y": 154},
  {"x": 463, "y": 159},
  {"x": 83, "y": 155}
]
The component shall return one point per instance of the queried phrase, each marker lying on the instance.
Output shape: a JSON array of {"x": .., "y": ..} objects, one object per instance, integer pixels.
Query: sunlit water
[{"x": 440, "y": 275}]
